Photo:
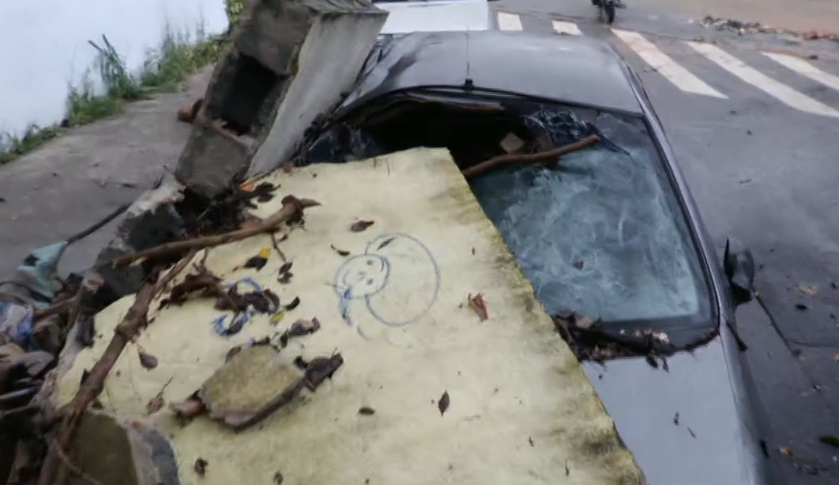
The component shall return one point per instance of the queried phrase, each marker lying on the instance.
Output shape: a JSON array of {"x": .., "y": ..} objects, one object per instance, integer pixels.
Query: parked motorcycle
[{"x": 606, "y": 9}]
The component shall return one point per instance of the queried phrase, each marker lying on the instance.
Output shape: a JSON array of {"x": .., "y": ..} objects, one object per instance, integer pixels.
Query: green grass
[
  {"x": 33, "y": 137},
  {"x": 177, "y": 57},
  {"x": 166, "y": 67},
  {"x": 233, "y": 9}
]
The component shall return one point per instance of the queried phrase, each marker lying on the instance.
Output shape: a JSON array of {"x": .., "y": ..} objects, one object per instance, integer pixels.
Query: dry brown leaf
[
  {"x": 836, "y": 357},
  {"x": 147, "y": 360},
  {"x": 810, "y": 290},
  {"x": 277, "y": 317},
  {"x": 443, "y": 403},
  {"x": 785, "y": 451},
  {"x": 287, "y": 167},
  {"x": 200, "y": 467},
  {"x": 155, "y": 404},
  {"x": 478, "y": 305},
  {"x": 294, "y": 304},
  {"x": 361, "y": 225},
  {"x": 255, "y": 262},
  {"x": 304, "y": 327},
  {"x": 339, "y": 251}
]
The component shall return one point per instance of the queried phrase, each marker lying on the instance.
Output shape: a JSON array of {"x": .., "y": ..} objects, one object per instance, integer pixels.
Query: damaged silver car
[{"x": 607, "y": 233}]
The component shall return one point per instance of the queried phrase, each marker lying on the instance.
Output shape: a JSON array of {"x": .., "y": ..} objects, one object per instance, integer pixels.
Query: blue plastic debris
[
  {"x": 35, "y": 280},
  {"x": 16, "y": 323},
  {"x": 40, "y": 271}
]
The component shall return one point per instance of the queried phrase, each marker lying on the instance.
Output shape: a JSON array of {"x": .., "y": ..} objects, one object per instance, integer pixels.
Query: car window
[{"x": 602, "y": 235}]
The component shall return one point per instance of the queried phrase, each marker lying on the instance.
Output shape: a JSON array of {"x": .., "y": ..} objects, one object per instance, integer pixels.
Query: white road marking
[
  {"x": 805, "y": 68},
  {"x": 782, "y": 92},
  {"x": 667, "y": 67},
  {"x": 569, "y": 28},
  {"x": 509, "y": 21}
]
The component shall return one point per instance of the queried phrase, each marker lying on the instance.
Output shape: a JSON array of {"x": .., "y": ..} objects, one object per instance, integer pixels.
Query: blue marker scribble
[
  {"x": 253, "y": 284},
  {"x": 391, "y": 268},
  {"x": 239, "y": 319}
]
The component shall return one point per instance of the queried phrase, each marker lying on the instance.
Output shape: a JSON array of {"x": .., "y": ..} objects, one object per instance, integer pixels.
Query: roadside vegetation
[{"x": 177, "y": 57}]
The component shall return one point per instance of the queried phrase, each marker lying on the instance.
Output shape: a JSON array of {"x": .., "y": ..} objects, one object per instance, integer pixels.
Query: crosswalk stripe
[
  {"x": 805, "y": 68},
  {"x": 782, "y": 92},
  {"x": 569, "y": 28},
  {"x": 509, "y": 21},
  {"x": 664, "y": 65}
]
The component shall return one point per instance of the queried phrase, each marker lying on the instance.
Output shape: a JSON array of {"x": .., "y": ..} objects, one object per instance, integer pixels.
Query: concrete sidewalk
[{"x": 79, "y": 178}]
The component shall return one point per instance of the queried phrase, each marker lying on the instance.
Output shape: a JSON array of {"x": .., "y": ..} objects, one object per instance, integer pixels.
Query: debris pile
[
  {"x": 205, "y": 206},
  {"x": 39, "y": 311},
  {"x": 742, "y": 28},
  {"x": 591, "y": 341}
]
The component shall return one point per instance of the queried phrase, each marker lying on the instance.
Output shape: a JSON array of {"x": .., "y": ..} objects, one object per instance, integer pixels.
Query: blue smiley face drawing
[
  {"x": 362, "y": 276},
  {"x": 392, "y": 284}
]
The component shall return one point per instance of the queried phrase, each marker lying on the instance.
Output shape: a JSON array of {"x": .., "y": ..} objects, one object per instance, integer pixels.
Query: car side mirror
[{"x": 739, "y": 267}]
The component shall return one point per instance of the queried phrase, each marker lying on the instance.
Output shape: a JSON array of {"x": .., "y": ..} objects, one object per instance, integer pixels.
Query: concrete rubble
[
  {"x": 742, "y": 28},
  {"x": 288, "y": 64}
]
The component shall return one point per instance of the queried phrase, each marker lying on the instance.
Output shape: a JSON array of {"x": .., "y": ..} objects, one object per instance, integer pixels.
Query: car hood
[
  {"x": 435, "y": 16},
  {"x": 713, "y": 440}
]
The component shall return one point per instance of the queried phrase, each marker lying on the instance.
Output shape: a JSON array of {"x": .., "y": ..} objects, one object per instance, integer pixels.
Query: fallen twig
[
  {"x": 135, "y": 319},
  {"x": 99, "y": 225},
  {"x": 55, "y": 309},
  {"x": 277, "y": 247},
  {"x": 292, "y": 209},
  {"x": 175, "y": 271},
  {"x": 528, "y": 158},
  {"x": 18, "y": 410},
  {"x": 11, "y": 396}
]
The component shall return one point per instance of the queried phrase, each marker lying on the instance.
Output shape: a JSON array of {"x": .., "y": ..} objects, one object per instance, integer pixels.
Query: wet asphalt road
[{"x": 763, "y": 173}]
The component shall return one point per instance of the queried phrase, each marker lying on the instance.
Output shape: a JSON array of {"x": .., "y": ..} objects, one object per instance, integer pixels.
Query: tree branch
[
  {"x": 528, "y": 158},
  {"x": 292, "y": 209}
]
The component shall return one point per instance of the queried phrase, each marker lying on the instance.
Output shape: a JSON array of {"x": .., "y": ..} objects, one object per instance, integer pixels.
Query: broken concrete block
[
  {"x": 109, "y": 450},
  {"x": 289, "y": 61},
  {"x": 255, "y": 381},
  {"x": 269, "y": 383},
  {"x": 150, "y": 221}
]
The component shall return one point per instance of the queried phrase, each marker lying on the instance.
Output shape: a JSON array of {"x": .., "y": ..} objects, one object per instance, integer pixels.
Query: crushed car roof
[{"x": 572, "y": 69}]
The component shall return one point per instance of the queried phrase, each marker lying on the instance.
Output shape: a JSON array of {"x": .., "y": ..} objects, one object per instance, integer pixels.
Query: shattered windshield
[
  {"x": 602, "y": 235},
  {"x": 599, "y": 232}
]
